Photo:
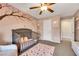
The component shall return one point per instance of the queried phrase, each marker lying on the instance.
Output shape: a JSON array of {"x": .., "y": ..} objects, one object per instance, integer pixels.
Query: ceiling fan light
[{"x": 44, "y": 8}]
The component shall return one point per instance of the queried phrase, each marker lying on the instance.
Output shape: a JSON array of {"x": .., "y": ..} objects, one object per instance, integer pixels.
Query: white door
[
  {"x": 47, "y": 32},
  {"x": 67, "y": 29}
]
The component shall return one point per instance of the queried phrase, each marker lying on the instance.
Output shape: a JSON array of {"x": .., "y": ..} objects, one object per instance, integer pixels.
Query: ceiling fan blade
[
  {"x": 51, "y": 3},
  {"x": 40, "y": 12},
  {"x": 41, "y": 4},
  {"x": 34, "y": 7},
  {"x": 50, "y": 10}
]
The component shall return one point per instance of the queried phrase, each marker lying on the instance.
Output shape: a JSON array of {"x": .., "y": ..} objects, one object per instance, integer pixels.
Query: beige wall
[
  {"x": 76, "y": 15},
  {"x": 13, "y": 22},
  {"x": 40, "y": 30},
  {"x": 55, "y": 28},
  {"x": 77, "y": 29}
]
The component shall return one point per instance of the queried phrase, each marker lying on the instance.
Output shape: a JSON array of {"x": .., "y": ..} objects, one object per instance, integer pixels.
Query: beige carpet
[{"x": 61, "y": 49}]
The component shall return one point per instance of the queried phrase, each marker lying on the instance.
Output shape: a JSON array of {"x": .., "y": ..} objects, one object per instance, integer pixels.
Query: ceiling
[{"x": 61, "y": 9}]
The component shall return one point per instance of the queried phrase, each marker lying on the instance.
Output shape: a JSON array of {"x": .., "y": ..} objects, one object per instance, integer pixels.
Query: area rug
[{"x": 39, "y": 50}]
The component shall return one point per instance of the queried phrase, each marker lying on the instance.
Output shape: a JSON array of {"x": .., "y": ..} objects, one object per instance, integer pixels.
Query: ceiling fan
[{"x": 44, "y": 7}]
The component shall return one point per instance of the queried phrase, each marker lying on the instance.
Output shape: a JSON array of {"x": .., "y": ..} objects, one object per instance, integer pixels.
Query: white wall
[
  {"x": 67, "y": 29},
  {"x": 12, "y": 22}
]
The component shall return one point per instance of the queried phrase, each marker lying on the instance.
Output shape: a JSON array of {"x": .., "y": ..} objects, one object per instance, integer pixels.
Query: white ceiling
[{"x": 62, "y": 9}]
